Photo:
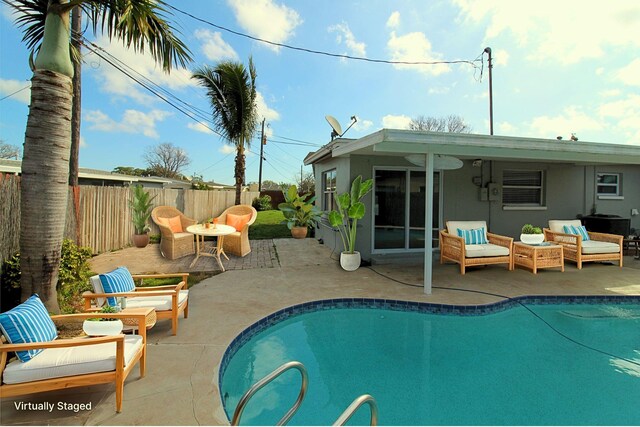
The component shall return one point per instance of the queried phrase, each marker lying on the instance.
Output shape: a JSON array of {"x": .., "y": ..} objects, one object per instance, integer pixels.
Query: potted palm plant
[
  {"x": 345, "y": 219},
  {"x": 299, "y": 213},
  {"x": 140, "y": 204},
  {"x": 103, "y": 325},
  {"x": 531, "y": 235}
]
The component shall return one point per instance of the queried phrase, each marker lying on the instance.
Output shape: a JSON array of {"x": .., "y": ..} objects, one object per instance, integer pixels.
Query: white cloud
[
  {"x": 506, "y": 128},
  {"x": 16, "y": 87},
  {"x": 565, "y": 31},
  {"x": 83, "y": 142},
  {"x": 625, "y": 115},
  {"x": 394, "y": 20},
  {"x": 266, "y": 19},
  {"x": 133, "y": 121},
  {"x": 200, "y": 127},
  {"x": 344, "y": 35},
  {"x": 610, "y": 93},
  {"x": 500, "y": 57},
  {"x": 227, "y": 149},
  {"x": 630, "y": 75},
  {"x": 396, "y": 122},
  {"x": 263, "y": 109},
  {"x": 213, "y": 47},
  {"x": 572, "y": 120},
  {"x": 362, "y": 125},
  {"x": 439, "y": 90},
  {"x": 415, "y": 47},
  {"x": 115, "y": 82}
]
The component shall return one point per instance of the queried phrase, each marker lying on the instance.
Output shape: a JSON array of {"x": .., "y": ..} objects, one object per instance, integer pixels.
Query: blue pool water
[{"x": 504, "y": 368}]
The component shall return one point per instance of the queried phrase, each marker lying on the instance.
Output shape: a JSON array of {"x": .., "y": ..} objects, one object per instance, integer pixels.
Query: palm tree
[
  {"x": 140, "y": 24},
  {"x": 231, "y": 89}
]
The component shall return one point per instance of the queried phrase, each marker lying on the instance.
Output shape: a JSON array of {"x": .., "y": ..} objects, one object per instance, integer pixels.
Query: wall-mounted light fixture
[{"x": 477, "y": 163}]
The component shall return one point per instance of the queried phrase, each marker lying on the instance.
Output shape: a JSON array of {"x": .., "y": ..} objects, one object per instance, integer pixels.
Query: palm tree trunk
[
  {"x": 239, "y": 171},
  {"x": 44, "y": 189}
]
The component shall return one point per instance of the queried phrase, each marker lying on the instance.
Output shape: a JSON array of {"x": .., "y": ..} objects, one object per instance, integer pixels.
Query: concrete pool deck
[{"x": 181, "y": 385}]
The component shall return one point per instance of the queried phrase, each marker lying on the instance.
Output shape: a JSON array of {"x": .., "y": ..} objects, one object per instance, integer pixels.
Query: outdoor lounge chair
[
  {"x": 579, "y": 247},
  {"x": 237, "y": 243},
  {"x": 44, "y": 363},
  {"x": 480, "y": 247},
  {"x": 175, "y": 241},
  {"x": 168, "y": 301}
]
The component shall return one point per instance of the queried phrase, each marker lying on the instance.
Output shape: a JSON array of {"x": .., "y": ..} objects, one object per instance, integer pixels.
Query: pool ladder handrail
[
  {"x": 355, "y": 405},
  {"x": 266, "y": 380}
]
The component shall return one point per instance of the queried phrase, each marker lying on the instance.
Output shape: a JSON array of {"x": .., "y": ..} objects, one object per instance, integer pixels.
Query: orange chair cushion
[
  {"x": 174, "y": 223},
  {"x": 238, "y": 221}
]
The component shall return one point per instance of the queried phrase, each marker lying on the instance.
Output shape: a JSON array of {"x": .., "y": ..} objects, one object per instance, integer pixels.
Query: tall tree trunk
[
  {"x": 44, "y": 189},
  {"x": 45, "y": 165},
  {"x": 239, "y": 172},
  {"x": 76, "y": 27}
]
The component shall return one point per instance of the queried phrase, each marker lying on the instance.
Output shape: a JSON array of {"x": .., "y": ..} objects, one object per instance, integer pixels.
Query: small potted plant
[
  {"x": 299, "y": 213},
  {"x": 140, "y": 204},
  {"x": 531, "y": 235},
  {"x": 345, "y": 219},
  {"x": 104, "y": 325}
]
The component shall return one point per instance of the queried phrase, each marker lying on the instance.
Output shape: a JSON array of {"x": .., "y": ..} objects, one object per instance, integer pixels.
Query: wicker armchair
[
  {"x": 237, "y": 243},
  {"x": 453, "y": 248},
  {"x": 599, "y": 247},
  {"x": 173, "y": 245}
]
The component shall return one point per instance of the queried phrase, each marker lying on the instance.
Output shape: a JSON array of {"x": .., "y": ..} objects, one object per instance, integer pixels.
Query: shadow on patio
[{"x": 181, "y": 386}]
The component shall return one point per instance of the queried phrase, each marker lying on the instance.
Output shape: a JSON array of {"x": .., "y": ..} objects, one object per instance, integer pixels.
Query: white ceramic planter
[
  {"x": 103, "y": 327},
  {"x": 350, "y": 262},
  {"x": 532, "y": 239}
]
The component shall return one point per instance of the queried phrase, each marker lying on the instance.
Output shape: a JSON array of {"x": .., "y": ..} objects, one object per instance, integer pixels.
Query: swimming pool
[{"x": 501, "y": 364}]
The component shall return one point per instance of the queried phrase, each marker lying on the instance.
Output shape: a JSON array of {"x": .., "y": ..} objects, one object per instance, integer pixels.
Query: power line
[
  {"x": 320, "y": 52},
  {"x": 14, "y": 93}
]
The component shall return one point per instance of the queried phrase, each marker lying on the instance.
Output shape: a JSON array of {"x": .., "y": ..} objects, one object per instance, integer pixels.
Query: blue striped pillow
[
  {"x": 580, "y": 231},
  {"x": 473, "y": 237},
  {"x": 26, "y": 323},
  {"x": 116, "y": 281}
]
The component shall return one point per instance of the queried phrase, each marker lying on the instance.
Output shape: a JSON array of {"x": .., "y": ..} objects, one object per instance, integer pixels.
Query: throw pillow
[
  {"x": 238, "y": 221},
  {"x": 117, "y": 281},
  {"x": 175, "y": 224},
  {"x": 580, "y": 231},
  {"x": 28, "y": 322},
  {"x": 473, "y": 237}
]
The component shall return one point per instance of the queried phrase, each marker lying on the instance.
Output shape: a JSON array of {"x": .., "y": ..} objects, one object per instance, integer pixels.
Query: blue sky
[{"x": 559, "y": 68}]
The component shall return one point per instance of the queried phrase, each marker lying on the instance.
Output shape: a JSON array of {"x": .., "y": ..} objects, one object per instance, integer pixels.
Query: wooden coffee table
[{"x": 535, "y": 257}]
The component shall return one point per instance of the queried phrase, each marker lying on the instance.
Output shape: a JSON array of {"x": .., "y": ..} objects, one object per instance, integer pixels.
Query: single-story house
[
  {"x": 432, "y": 177},
  {"x": 102, "y": 178}
]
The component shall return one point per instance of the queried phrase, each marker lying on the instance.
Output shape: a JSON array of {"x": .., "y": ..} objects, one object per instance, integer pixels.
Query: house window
[
  {"x": 328, "y": 190},
  {"x": 608, "y": 184},
  {"x": 523, "y": 187}
]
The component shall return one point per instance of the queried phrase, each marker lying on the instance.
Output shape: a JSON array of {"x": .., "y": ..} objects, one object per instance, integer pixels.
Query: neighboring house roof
[
  {"x": 396, "y": 142},
  {"x": 14, "y": 166}
]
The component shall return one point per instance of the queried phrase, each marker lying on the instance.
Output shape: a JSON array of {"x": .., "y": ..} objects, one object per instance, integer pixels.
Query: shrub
[
  {"x": 262, "y": 203},
  {"x": 530, "y": 229},
  {"x": 73, "y": 278}
]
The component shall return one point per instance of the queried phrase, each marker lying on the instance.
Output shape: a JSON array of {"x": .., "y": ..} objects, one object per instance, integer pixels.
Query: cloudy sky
[{"x": 560, "y": 67}]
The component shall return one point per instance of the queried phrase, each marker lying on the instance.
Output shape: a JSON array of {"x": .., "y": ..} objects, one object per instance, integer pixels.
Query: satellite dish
[
  {"x": 440, "y": 162},
  {"x": 335, "y": 125},
  {"x": 336, "y": 128}
]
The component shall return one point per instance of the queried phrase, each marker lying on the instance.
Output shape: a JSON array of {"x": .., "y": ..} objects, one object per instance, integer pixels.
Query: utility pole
[
  {"x": 263, "y": 142},
  {"x": 76, "y": 27},
  {"x": 488, "y": 50}
]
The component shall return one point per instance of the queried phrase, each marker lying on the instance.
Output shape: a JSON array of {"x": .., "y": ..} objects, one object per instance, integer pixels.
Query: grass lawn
[{"x": 268, "y": 226}]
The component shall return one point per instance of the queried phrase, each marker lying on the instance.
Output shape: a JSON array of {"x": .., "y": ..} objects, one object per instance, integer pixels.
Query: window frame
[
  {"x": 617, "y": 185},
  {"x": 328, "y": 192},
  {"x": 541, "y": 189}
]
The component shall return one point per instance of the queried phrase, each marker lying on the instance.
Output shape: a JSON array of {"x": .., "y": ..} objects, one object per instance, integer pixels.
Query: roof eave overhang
[{"x": 403, "y": 142}]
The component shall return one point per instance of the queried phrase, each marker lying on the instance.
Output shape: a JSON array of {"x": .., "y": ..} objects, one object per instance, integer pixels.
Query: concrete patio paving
[{"x": 181, "y": 385}]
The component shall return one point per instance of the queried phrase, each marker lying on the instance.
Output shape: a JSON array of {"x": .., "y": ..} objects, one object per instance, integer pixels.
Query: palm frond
[
  {"x": 30, "y": 17},
  {"x": 140, "y": 24}
]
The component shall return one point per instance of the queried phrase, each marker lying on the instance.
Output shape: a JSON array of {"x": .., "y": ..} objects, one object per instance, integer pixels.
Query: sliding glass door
[{"x": 399, "y": 196}]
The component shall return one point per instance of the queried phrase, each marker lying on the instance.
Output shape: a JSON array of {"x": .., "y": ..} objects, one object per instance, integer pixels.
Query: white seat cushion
[
  {"x": 486, "y": 250},
  {"x": 64, "y": 362},
  {"x": 183, "y": 235},
  {"x": 160, "y": 303},
  {"x": 596, "y": 247},
  {"x": 556, "y": 225}
]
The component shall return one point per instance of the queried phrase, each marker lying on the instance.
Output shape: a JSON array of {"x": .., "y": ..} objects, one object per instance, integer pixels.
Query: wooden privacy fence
[{"x": 104, "y": 216}]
